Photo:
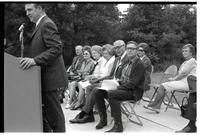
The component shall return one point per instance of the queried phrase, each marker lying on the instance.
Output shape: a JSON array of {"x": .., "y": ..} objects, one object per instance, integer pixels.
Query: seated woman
[
  {"x": 100, "y": 71},
  {"x": 191, "y": 113},
  {"x": 179, "y": 81},
  {"x": 84, "y": 71},
  {"x": 108, "y": 54},
  {"x": 97, "y": 56}
]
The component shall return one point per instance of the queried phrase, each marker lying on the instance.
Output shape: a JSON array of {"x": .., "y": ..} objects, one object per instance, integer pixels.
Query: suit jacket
[
  {"x": 76, "y": 63},
  {"x": 46, "y": 50},
  {"x": 148, "y": 70},
  {"x": 136, "y": 79},
  {"x": 118, "y": 71}
]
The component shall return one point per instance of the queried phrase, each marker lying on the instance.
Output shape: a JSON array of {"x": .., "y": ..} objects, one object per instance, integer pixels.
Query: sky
[{"x": 122, "y": 7}]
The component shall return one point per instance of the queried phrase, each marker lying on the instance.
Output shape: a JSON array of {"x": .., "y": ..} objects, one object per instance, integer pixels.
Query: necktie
[
  {"x": 76, "y": 63},
  {"x": 117, "y": 66}
]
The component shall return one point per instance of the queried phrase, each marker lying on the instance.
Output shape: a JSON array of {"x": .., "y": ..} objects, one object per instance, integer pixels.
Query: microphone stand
[{"x": 22, "y": 42}]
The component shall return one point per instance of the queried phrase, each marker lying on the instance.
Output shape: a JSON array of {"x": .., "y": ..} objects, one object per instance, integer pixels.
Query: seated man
[
  {"x": 75, "y": 66},
  {"x": 77, "y": 61},
  {"x": 142, "y": 49},
  {"x": 130, "y": 88},
  {"x": 86, "y": 115}
]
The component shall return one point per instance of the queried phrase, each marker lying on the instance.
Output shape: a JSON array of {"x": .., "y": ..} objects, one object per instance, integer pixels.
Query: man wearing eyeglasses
[{"x": 130, "y": 88}]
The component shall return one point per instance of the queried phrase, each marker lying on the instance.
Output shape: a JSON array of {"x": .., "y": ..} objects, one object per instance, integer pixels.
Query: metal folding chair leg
[
  {"x": 156, "y": 89},
  {"x": 130, "y": 112},
  {"x": 170, "y": 101}
]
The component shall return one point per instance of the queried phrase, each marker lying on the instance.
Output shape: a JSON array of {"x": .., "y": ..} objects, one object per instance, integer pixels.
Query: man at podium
[{"x": 46, "y": 51}]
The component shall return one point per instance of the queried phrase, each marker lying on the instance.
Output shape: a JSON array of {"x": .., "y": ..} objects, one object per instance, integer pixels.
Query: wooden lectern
[{"x": 22, "y": 97}]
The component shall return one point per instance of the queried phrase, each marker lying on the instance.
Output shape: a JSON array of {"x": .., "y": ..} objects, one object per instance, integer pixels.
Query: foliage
[
  {"x": 165, "y": 27},
  {"x": 83, "y": 24}
]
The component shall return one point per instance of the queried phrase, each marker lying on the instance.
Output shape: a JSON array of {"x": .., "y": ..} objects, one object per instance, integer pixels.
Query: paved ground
[{"x": 169, "y": 121}]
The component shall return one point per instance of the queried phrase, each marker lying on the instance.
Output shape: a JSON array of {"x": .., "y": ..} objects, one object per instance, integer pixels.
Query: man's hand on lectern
[{"x": 26, "y": 63}]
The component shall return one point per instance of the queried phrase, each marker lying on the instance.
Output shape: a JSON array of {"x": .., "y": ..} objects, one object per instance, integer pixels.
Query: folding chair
[
  {"x": 192, "y": 87},
  {"x": 173, "y": 96},
  {"x": 127, "y": 108},
  {"x": 170, "y": 71}
]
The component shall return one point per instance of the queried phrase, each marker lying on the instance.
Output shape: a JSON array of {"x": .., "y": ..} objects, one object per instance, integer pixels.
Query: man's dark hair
[{"x": 39, "y": 5}]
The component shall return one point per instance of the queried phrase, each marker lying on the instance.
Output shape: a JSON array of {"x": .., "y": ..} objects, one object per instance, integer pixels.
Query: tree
[
  {"x": 165, "y": 27},
  {"x": 78, "y": 23}
]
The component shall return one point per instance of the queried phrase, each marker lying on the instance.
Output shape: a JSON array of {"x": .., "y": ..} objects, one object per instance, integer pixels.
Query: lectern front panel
[{"x": 22, "y": 97}]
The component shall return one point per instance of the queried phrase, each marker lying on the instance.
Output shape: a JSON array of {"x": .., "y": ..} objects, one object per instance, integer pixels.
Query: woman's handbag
[{"x": 184, "y": 107}]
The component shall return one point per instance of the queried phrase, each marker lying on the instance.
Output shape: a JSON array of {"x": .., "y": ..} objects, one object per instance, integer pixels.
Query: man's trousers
[{"x": 53, "y": 117}]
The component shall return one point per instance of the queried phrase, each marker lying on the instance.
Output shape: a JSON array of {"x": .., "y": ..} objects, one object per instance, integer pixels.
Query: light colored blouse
[
  {"x": 97, "y": 71},
  {"x": 188, "y": 67},
  {"x": 104, "y": 70},
  {"x": 107, "y": 67}
]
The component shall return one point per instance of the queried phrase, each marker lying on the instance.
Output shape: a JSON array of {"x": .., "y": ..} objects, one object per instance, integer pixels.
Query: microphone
[
  {"x": 21, "y": 28},
  {"x": 21, "y": 38}
]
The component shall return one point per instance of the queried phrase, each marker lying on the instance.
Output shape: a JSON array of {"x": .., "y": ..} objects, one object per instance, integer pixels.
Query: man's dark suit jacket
[
  {"x": 46, "y": 50},
  {"x": 119, "y": 69},
  {"x": 137, "y": 77},
  {"x": 77, "y": 66}
]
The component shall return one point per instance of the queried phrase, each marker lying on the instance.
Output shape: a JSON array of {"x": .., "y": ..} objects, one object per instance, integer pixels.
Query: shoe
[
  {"x": 187, "y": 129},
  {"x": 86, "y": 119},
  {"x": 78, "y": 117},
  {"x": 116, "y": 128},
  {"x": 112, "y": 129},
  {"x": 101, "y": 124},
  {"x": 152, "y": 109}
]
